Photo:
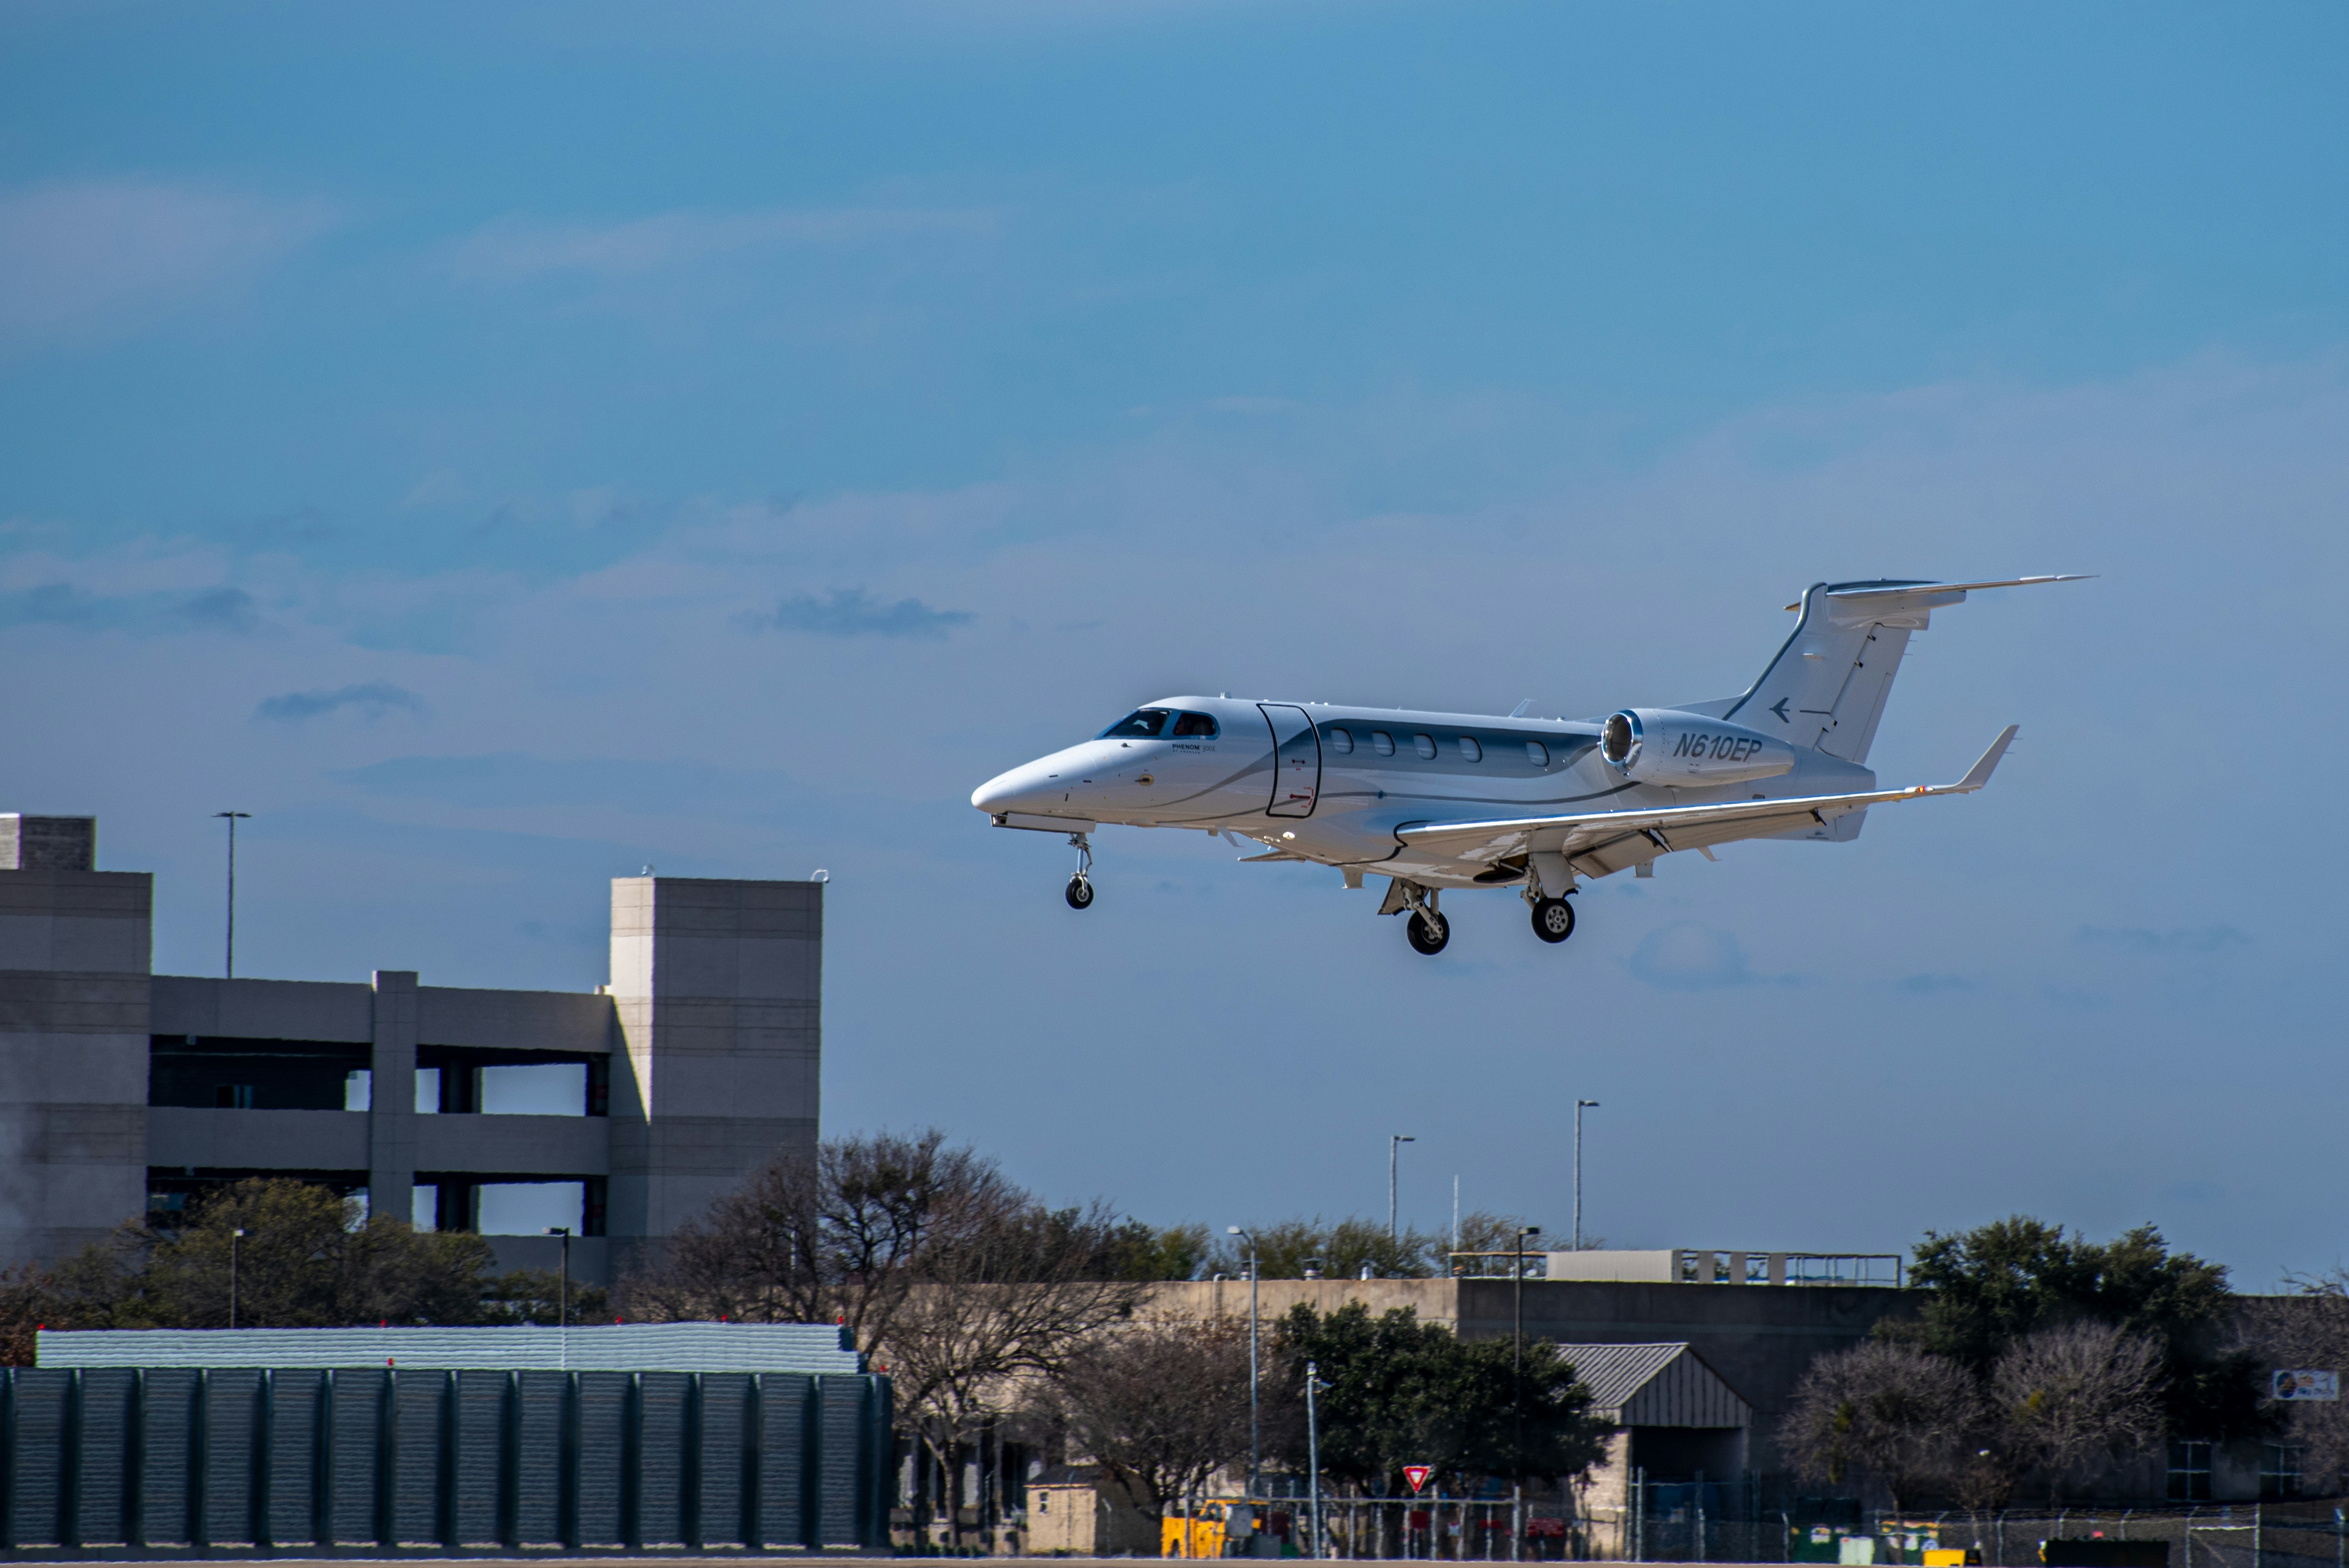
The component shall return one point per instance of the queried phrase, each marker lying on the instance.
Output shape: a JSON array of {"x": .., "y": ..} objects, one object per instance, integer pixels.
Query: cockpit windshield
[{"x": 1141, "y": 724}]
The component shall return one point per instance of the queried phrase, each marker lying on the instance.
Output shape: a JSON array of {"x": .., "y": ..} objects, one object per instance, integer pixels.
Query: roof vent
[{"x": 47, "y": 843}]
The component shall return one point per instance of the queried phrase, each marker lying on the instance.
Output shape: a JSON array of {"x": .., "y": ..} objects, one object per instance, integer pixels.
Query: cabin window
[
  {"x": 1470, "y": 749},
  {"x": 1195, "y": 723},
  {"x": 1382, "y": 743},
  {"x": 1143, "y": 724},
  {"x": 1538, "y": 754},
  {"x": 1424, "y": 744},
  {"x": 1341, "y": 742}
]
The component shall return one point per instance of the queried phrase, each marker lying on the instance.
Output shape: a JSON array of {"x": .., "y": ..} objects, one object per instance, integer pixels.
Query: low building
[
  {"x": 123, "y": 1092},
  {"x": 1758, "y": 1342},
  {"x": 1670, "y": 1420}
]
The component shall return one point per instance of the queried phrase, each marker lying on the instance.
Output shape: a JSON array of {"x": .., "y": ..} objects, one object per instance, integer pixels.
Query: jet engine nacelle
[{"x": 1667, "y": 746}]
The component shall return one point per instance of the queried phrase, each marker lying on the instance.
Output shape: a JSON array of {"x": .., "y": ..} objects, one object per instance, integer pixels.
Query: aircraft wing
[{"x": 1589, "y": 837}]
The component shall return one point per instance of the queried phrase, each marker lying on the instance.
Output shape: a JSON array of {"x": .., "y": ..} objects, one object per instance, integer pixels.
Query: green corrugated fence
[{"x": 160, "y": 1462}]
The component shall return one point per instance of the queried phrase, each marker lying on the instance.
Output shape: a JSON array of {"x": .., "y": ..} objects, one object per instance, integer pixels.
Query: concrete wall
[
  {"x": 73, "y": 1056},
  {"x": 720, "y": 992}
]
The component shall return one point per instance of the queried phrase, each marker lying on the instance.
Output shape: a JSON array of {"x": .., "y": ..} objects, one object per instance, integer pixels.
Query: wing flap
[{"x": 1601, "y": 836}]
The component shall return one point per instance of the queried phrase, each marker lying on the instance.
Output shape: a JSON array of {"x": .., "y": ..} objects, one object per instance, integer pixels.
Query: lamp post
[
  {"x": 233, "y": 819},
  {"x": 563, "y": 1301},
  {"x": 1255, "y": 1443},
  {"x": 1394, "y": 1149},
  {"x": 1579, "y": 1107},
  {"x": 1313, "y": 1447},
  {"x": 235, "y": 1241},
  {"x": 1517, "y": 1374}
]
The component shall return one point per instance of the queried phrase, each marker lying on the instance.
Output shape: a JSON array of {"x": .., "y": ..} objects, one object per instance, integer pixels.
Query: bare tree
[
  {"x": 959, "y": 1284},
  {"x": 1883, "y": 1414},
  {"x": 842, "y": 1234},
  {"x": 1001, "y": 1305},
  {"x": 2065, "y": 1398},
  {"x": 1160, "y": 1407}
]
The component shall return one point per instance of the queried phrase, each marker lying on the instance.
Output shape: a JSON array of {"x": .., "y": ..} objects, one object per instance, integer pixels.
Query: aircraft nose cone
[{"x": 1000, "y": 793}]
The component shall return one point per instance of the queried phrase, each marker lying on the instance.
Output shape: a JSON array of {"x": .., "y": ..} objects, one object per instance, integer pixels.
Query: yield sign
[{"x": 1417, "y": 1475}]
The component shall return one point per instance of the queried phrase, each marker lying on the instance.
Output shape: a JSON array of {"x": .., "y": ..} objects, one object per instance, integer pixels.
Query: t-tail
[{"x": 1826, "y": 689}]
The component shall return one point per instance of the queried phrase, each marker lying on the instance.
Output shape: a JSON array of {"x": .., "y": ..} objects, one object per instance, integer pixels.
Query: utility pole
[
  {"x": 233, "y": 819},
  {"x": 1579, "y": 1107},
  {"x": 235, "y": 1241},
  {"x": 1394, "y": 1148},
  {"x": 1254, "y": 1442}
]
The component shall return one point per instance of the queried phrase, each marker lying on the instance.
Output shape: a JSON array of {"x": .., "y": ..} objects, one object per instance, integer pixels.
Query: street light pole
[
  {"x": 563, "y": 1301},
  {"x": 1518, "y": 1371},
  {"x": 1394, "y": 1148},
  {"x": 235, "y": 1241},
  {"x": 1313, "y": 1447},
  {"x": 1255, "y": 1443},
  {"x": 1579, "y": 1107},
  {"x": 233, "y": 819}
]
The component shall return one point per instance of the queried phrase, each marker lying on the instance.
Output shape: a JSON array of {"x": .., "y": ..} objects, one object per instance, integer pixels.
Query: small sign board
[
  {"x": 1417, "y": 1474},
  {"x": 2308, "y": 1385}
]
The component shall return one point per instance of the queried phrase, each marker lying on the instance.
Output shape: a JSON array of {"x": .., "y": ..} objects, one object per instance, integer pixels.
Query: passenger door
[{"x": 1296, "y": 761}]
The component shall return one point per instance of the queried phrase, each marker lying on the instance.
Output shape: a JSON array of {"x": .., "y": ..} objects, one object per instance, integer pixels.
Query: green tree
[
  {"x": 535, "y": 1296},
  {"x": 1405, "y": 1392},
  {"x": 308, "y": 1259},
  {"x": 1136, "y": 1251},
  {"x": 1342, "y": 1249},
  {"x": 1986, "y": 1288}
]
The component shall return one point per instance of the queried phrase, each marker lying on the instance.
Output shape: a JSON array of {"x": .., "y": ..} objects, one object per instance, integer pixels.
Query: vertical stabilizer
[{"x": 1826, "y": 687}]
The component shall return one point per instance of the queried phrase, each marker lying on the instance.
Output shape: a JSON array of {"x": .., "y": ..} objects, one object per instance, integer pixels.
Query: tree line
[
  {"x": 2034, "y": 1363},
  {"x": 306, "y": 1258},
  {"x": 2040, "y": 1366}
]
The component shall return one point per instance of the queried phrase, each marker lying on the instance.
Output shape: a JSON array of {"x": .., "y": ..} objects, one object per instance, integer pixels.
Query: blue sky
[{"x": 501, "y": 449}]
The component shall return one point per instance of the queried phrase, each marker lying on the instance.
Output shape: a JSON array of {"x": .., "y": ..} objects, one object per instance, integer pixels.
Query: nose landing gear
[
  {"x": 1079, "y": 891},
  {"x": 1427, "y": 929}
]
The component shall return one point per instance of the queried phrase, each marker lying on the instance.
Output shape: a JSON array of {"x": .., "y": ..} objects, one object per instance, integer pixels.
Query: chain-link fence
[{"x": 2309, "y": 1534}]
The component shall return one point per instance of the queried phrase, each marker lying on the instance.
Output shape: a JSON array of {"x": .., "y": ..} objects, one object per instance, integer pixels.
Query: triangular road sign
[{"x": 1417, "y": 1475}]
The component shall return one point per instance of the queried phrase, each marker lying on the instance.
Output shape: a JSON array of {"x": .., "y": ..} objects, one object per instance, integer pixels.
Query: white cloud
[
  {"x": 513, "y": 248},
  {"x": 104, "y": 256}
]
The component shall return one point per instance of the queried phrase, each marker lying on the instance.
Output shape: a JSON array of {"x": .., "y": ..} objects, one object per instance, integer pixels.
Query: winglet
[{"x": 1987, "y": 764}]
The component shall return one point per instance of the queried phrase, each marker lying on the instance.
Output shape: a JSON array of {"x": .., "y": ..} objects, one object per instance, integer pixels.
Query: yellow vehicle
[{"x": 1209, "y": 1529}]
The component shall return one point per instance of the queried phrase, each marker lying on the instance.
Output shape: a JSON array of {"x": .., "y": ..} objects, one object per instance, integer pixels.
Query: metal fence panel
[
  {"x": 784, "y": 1399},
  {"x": 302, "y": 1461},
  {"x": 601, "y": 1404},
  {"x": 104, "y": 1445}
]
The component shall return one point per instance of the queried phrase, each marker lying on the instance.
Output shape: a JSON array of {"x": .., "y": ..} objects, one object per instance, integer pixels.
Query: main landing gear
[
  {"x": 1553, "y": 919},
  {"x": 1079, "y": 891},
  {"x": 1427, "y": 936}
]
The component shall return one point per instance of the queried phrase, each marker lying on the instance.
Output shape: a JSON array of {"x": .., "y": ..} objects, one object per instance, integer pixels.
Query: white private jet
[{"x": 1438, "y": 800}]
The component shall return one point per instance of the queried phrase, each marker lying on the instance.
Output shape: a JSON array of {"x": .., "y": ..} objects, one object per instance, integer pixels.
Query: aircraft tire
[
  {"x": 1080, "y": 892},
  {"x": 1425, "y": 938},
  {"x": 1553, "y": 920}
]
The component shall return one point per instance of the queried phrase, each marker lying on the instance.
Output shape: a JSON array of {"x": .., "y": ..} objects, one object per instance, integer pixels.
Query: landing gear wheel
[
  {"x": 1080, "y": 892},
  {"x": 1427, "y": 936},
  {"x": 1553, "y": 920}
]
